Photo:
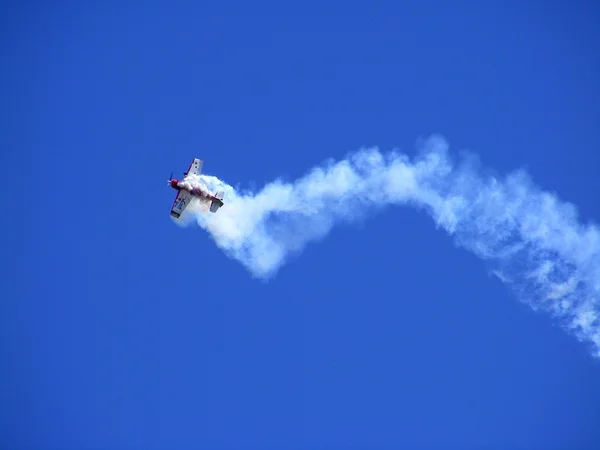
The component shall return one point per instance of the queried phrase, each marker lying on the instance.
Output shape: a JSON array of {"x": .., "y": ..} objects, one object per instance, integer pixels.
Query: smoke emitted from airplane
[
  {"x": 192, "y": 182},
  {"x": 534, "y": 241}
]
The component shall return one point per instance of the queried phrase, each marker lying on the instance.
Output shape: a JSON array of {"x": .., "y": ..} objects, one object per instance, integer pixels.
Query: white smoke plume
[
  {"x": 535, "y": 242},
  {"x": 190, "y": 182}
]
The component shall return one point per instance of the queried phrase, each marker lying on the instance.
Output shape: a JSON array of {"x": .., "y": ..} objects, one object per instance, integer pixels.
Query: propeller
[{"x": 170, "y": 178}]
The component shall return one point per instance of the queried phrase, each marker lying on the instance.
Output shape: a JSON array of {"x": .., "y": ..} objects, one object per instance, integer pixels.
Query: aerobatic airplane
[{"x": 186, "y": 191}]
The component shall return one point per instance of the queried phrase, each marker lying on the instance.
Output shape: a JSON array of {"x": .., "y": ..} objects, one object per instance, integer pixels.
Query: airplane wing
[
  {"x": 195, "y": 167},
  {"x": 182, "y": 199}
]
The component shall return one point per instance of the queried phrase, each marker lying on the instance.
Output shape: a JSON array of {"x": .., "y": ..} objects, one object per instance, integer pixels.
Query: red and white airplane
[{"x": 186, "y": 191}]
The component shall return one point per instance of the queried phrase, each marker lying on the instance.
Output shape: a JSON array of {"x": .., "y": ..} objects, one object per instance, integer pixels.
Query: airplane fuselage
[{"x": 197, "y": 192}]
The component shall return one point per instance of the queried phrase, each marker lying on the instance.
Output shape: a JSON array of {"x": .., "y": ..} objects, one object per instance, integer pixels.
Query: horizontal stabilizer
[{"x": 215, "y": 205}]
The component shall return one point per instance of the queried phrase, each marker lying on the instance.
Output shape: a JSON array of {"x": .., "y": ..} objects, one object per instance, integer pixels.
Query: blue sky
[{"x": 121, "y": 330}]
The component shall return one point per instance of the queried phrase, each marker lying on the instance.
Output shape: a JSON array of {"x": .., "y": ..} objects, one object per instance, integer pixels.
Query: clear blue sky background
[{"x": 121, "y": 330}]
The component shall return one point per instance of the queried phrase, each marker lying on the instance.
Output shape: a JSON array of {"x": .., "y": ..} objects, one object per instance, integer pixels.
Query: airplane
[{"x": 185, "y": 194}]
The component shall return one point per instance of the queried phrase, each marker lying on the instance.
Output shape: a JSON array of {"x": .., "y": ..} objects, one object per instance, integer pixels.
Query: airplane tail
[{"x": 215, "y": 205}]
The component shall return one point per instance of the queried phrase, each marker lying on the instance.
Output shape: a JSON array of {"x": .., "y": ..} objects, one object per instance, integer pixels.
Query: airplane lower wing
[{"x": 182, "y": 199}]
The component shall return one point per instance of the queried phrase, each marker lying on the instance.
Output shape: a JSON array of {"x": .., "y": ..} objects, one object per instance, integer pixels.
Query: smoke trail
[{"x": 535, "y": 241}]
